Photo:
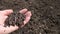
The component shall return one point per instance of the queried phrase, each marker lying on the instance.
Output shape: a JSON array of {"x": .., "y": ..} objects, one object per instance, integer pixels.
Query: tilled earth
[{"x": 45, "y": 15}]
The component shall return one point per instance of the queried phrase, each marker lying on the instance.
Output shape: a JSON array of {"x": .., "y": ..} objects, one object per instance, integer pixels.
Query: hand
[{"x": 4, "y": 15}]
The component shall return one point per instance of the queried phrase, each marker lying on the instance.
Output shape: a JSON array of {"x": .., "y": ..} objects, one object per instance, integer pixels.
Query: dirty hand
[{"x": 4, "y": 15}]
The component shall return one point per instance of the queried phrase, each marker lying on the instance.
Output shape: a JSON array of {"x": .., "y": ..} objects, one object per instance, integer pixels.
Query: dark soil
[
  {"x": 45, "y": 15},
  {"x": 15, "y": 19}
]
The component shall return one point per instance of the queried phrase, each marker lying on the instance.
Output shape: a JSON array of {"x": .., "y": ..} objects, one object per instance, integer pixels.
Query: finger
[
  {"x": 28, "y": 16},
  {"x": 6, "y": 12},
  {"x": 23, "y": 11},
  {"x": 7, "y": 30}
]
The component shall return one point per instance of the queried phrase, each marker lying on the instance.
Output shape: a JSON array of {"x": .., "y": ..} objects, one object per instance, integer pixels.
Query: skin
[{"x": 4, "y": 15}]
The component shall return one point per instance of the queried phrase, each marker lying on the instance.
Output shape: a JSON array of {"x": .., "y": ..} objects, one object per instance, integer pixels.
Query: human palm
[{"x": 4, "y": 15}]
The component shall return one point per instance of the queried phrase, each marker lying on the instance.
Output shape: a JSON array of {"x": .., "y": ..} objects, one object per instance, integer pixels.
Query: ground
[{"x": 45, "y": 15}]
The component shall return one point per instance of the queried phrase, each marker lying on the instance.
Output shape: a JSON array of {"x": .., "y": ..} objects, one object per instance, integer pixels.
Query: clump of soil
[{"x": 15, "y": 18}]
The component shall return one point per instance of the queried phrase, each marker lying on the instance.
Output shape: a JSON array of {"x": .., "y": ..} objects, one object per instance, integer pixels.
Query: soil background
[{"x": 45, "y": 15}]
